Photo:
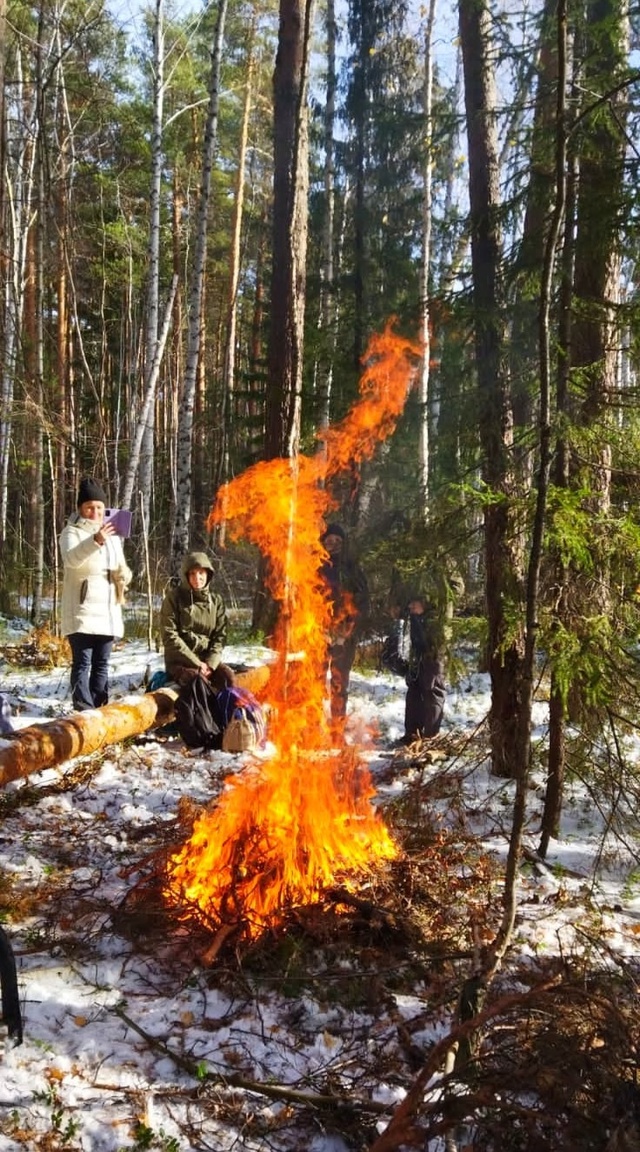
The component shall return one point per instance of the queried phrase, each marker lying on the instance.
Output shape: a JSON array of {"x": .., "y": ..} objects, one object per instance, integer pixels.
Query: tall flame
[{"x": 288, "y": 827}]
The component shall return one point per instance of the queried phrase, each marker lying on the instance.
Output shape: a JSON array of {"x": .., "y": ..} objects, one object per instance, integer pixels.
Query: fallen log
[
  {"x": 255, "y": 679},
  {"x": 55, "y": 741},
  {"x": 45, "y": 745}
]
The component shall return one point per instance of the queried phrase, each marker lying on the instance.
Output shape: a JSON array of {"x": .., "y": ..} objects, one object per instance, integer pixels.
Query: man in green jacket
[{"x": 193, "y": 621}]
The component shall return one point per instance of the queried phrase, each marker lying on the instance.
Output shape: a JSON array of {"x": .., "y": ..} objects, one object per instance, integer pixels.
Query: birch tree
[
  {"x": 328, "y": 303},
  {"x": 229, "y": 371},
  {"x": 427, "y": 209},
  {"x": 21, "y": 128},
  {"x": 184, "y": 479},
  {"x": 152, "y": 304}
]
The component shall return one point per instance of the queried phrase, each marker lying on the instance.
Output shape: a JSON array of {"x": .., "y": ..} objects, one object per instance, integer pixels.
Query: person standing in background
[
  {"x": 348, "y": 593},
  {"x": 417, "y": 645},
  {"x": 95, "y": 578}
]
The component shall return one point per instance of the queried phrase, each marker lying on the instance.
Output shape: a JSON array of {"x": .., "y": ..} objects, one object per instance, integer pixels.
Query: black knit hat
[
  {"x": 333, "y": 530},
  {"x": 90, "y": 490}
]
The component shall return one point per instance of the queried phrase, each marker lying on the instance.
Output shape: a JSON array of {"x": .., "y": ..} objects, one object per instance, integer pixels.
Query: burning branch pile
[{"x": 289, "y": 827}]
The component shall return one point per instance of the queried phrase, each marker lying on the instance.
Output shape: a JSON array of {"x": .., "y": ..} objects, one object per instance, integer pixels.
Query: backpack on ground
[
  {"x": 11, "y": 1014},
  {"x": 159, "y": 679},
  {"x": 241, "y": 719},
  {"x": 196, "y": 715}
]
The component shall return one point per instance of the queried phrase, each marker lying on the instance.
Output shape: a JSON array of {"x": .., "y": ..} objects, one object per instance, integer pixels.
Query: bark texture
[{"x": 45, "y": 745}]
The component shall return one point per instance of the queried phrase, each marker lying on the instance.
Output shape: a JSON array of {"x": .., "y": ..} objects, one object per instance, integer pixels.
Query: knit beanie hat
[
  {"x": 90, "y": 490},
  {"x": 333, "y": 530}
]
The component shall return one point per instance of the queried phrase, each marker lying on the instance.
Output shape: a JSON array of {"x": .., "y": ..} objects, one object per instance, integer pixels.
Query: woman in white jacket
[{"x": 95, "y": 577}]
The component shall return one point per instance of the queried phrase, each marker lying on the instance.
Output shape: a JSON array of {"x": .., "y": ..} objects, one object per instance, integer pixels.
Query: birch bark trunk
[
  {"x": 152, "y": 319},
  {"x": 229, "y": 372},
  {"x": 184, "y": 479},
  {"x": 328, "y": 307},
  {"x": 425, "y": 318}
]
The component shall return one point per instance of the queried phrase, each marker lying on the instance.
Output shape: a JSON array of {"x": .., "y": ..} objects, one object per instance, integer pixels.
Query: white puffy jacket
[{"x": 93, "y": 579}]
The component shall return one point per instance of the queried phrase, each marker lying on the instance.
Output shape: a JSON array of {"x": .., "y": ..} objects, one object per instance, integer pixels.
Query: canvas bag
[
  {"x": 241, "y": 734},
  {"x": 196, "y": 715},
  {"x": 241, "y": 719}
]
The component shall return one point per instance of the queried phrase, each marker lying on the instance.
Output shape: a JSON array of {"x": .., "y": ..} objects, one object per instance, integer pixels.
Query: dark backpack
[
  {"x": 233, "y": 702},
  {"x": 11, "y": 1014},
  {"x": 196, "y": 715}
]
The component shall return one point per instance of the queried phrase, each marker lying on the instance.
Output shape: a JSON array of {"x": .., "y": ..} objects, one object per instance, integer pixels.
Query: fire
[{"x": 290, "y": 826}]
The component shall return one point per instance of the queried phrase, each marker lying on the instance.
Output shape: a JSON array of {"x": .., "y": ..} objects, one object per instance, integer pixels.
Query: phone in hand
[{"x": 121, "y": 520}]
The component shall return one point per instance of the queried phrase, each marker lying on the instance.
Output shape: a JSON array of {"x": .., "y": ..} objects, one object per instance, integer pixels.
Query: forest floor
[{"x": 138, "y": 1035}]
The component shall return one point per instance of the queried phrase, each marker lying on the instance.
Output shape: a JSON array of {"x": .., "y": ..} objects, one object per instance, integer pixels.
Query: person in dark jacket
[
  {"x": 348, "y": 592},
  {"x": 411, "y": 652},
  {"x": 193, "y": 621},
  {"x": 416, "y": 646}
]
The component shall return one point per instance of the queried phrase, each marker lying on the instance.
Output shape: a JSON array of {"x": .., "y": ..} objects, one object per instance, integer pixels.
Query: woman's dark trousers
[{"x": 89, "y": 670}]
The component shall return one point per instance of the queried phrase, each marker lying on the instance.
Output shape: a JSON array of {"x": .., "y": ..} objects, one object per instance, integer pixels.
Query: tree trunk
[
  {"x": 20, "y": 157},
  {"x": 552, "y": 810},
  {"x": 550, "y": 822},
  {"x": 290, "y": 185},
  {"x": 535, "y": 229},
  {"x": 152, "y": 319},
  {"x": 425, "y": 319},
  {"x": 184, "y": 478},
  {"x": 37, "y": 503},
  {"x": 503, "y": 566},
  {"x": 360, "y": 92},
  {"x": 151, "y": 381},
  {"x": 595, "y": 335},
  {"x": 328, "y": 313},
  {"x": 3, "y": 42},
  {"x": 523, "y": 748},
  {"x": 43, "y": 745},
  {"x": 288, "y": 272},
  {"x": 223, "y": 471}
]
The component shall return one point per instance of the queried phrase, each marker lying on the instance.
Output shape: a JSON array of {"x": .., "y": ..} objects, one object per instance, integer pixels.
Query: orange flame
[{"x": 288, "y": 827}]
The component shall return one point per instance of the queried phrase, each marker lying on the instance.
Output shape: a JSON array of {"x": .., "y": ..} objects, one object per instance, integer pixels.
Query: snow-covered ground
[{"x": 130, "y": 1042}]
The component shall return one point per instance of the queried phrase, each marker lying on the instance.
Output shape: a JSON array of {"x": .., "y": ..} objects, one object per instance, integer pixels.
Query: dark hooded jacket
[
  {"x": 439, "y": 585},
  {"x": 193, "y": 623},
  {"x": 347, "y": 589}
]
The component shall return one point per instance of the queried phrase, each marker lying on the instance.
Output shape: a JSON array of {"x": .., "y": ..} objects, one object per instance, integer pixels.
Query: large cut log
[
  {"x": 44, "y": 745},
  {"x": 55, "y": 741}
]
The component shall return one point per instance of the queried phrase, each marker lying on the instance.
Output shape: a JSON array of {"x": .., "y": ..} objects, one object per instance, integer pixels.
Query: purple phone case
[{"x": 121, "y": 520}]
